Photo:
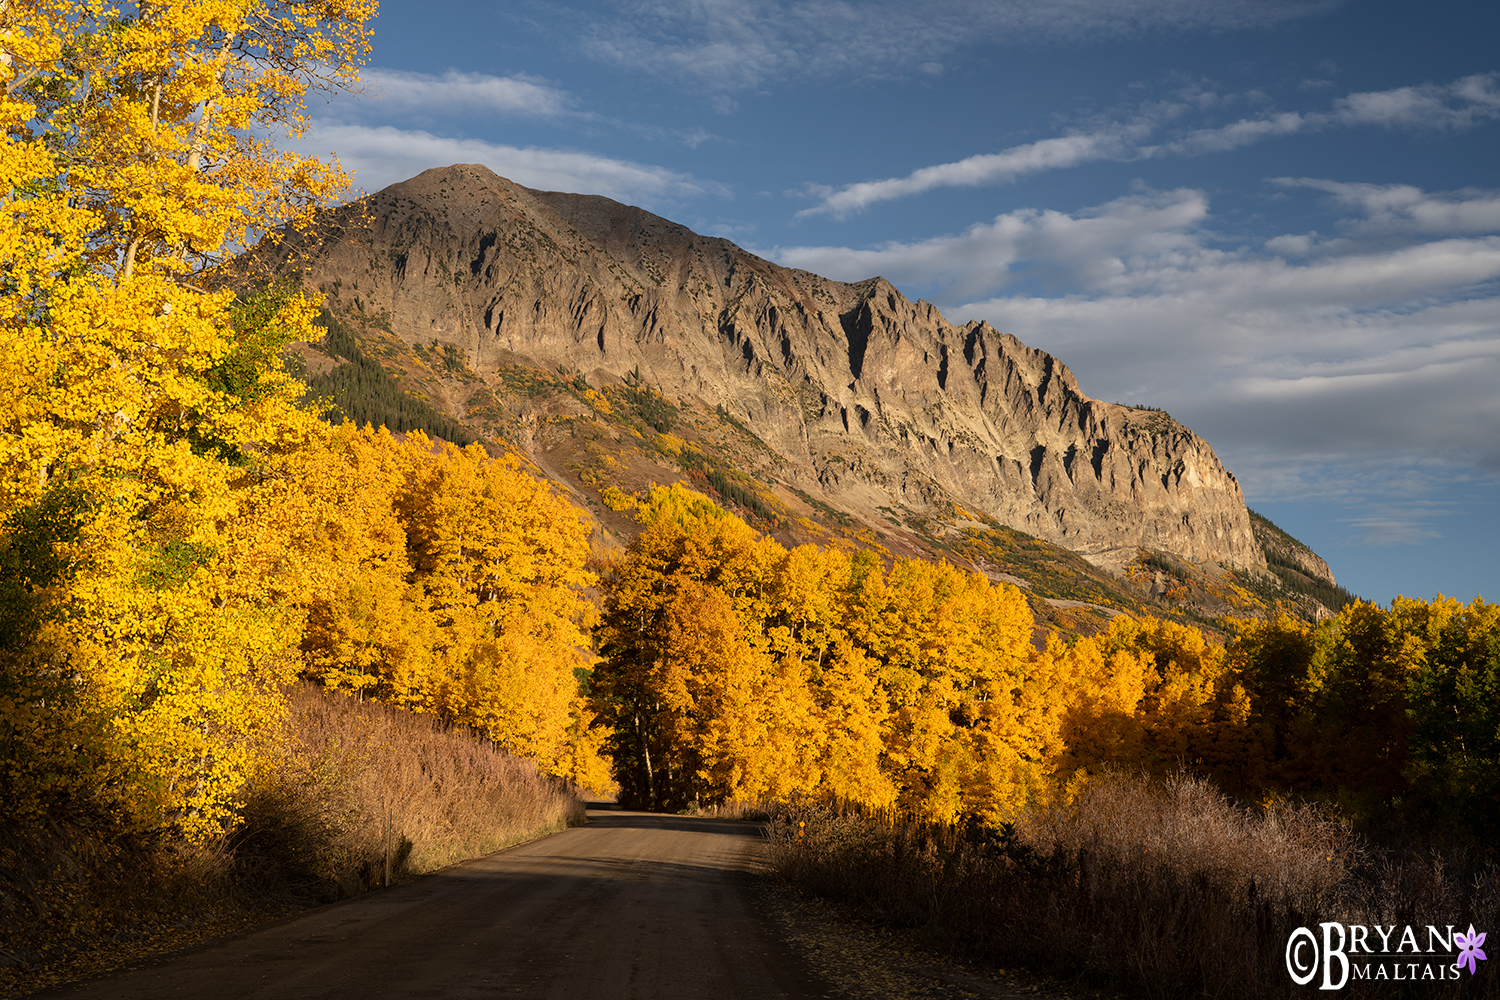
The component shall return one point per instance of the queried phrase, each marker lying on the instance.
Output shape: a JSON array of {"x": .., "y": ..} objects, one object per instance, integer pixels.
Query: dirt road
[{"x": 631, "y": 906}]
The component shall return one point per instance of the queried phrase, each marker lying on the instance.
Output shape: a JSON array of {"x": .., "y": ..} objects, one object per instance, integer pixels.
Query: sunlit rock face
[{"x": 870, "y": 399}]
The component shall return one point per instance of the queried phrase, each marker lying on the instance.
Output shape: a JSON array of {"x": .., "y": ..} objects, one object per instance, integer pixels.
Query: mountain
[{"x": 846, "y": 399}]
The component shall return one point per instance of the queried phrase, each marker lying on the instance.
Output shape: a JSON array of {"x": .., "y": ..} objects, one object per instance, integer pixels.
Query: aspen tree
[
  {"x": 1270, "y": 660},
  {"x": 659, "y": 593},
  {"x": 853, "y": 713},
  {"x": 1454, "y": 700},
  {"x": 134, "y": 406}
]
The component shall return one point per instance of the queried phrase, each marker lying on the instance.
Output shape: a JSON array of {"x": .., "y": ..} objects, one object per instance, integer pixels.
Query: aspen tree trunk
[
  {"x": 200, "y": 131},
  {"x": 128, "y": 267},
  {"x": 646, "y": 757},
  {"x": 196, "y": 143},
  {"x": 6, "y": 60}
]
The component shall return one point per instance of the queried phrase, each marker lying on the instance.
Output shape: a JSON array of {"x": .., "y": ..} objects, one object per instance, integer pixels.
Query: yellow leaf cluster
[
  {"x": 155, "y": 119},
  {"x": 137, "y": 412},
  {"x": 450, "y": 582}
]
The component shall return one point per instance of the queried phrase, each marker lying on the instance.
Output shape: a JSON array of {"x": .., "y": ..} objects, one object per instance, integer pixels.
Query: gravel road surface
[{"x": 633, "y": 905}]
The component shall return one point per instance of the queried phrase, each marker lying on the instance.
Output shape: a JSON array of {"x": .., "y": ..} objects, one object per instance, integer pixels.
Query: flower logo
[{"x": 1469, "y": 953}]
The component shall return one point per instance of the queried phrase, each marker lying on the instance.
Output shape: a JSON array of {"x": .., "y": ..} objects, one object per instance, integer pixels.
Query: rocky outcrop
[{"x": 870, "y": 400}]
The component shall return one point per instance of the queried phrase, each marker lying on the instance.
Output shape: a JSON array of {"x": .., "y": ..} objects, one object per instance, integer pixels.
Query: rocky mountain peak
[{"x": 866, "y": 401}]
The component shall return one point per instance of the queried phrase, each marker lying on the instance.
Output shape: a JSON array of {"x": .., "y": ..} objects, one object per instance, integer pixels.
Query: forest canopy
[
  {"x": 733, "y": 667},
  {"x": 180, "y": 539}
]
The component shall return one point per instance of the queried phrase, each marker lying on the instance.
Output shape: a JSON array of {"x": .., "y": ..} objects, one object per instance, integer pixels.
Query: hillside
[{"x": 1298, "y": 575}]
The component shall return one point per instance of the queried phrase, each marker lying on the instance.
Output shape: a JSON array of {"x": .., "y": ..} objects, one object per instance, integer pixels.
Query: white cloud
[
  {"x": 733, "y": 44},
  {"x": 384, "y": 155},
  {"x": 429, "y": 101},
  {"x": 1458, "y": 105},
  {"x": 1403, "y": 208},
  {"x": 1394, "y": 524},
  {"x": 388, "y": 91},
  {"x": 1113, "y": 143},
  {"x": 1000, "y": 253},
  {"x": 1233, "y": 136},
  {"x": 1462, "y": 104}
]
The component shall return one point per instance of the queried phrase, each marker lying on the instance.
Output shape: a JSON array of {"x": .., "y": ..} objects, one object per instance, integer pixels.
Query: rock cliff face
[{"x": 870, "y": 400}]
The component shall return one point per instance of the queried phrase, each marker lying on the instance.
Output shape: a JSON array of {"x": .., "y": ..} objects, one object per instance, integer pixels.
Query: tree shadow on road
[{"x": 609, "y": 816}]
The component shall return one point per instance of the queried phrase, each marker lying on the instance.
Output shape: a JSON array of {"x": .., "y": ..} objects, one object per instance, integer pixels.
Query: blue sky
[{"x": 1277, "y": 219}]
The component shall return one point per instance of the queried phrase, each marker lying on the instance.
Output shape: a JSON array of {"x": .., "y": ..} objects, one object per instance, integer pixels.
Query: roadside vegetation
[
  {"x": 348, "y": 796},
  {"x": 1139, "y": 886},
  {"x": 1144, "y": 810}
]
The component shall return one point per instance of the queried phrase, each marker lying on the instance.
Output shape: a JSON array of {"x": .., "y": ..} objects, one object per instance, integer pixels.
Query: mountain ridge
[{"x": 868, "y": 402}]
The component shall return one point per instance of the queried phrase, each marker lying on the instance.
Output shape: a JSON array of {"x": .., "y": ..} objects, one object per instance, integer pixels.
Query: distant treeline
[
  {"x": 652, "y": 406},
  {"x": 363, "y": 392},
  {"x": 1330, "y": 595},
  {"x": 692, "y": 461},
  {"x": 1292, "y": 576}
]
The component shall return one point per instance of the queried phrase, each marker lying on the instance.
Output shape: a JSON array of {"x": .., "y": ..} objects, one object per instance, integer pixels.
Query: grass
[
  {"x": 346, "y": 779},
  {"x": 1150, "y": 889},
  {"x": 733, "y": 809},
  {"x": 355, "y": 766},
  {"x": 1051, "y": 570}
]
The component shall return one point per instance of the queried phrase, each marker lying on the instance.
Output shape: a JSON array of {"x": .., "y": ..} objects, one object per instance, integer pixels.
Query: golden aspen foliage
[
  {"x": 852, "y": 711},
  {"x": 641, "y": 690},
  {"x": 161, "y": 117},
  {"x": 441, "y": 579},
  {"x": 180, "y": 539},
  {"x": 499, "y": 556},
  {"x": 334, "y": 546},
  {"x": 708, "y": 707},
  {"x": 586, "y": 764},
  {"x": 1104, "y": 688},
  {"x": 135, "y": 409},
  {"x": 698, "y": 701},
  {"x": 1154, "y": 696},
  {"x": 954, "y": 664},
  {"x": 735, "y": 667},
  {"x": 805, "y": 608},
  {"x": 136, "y": 413},
  {"x": 1182, "y": 702},
  {"x": 789, "y": 758}
]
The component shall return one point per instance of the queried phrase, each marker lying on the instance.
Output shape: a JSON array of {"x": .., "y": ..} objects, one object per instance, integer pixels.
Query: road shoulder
[{"x": 862, "y": 960}]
